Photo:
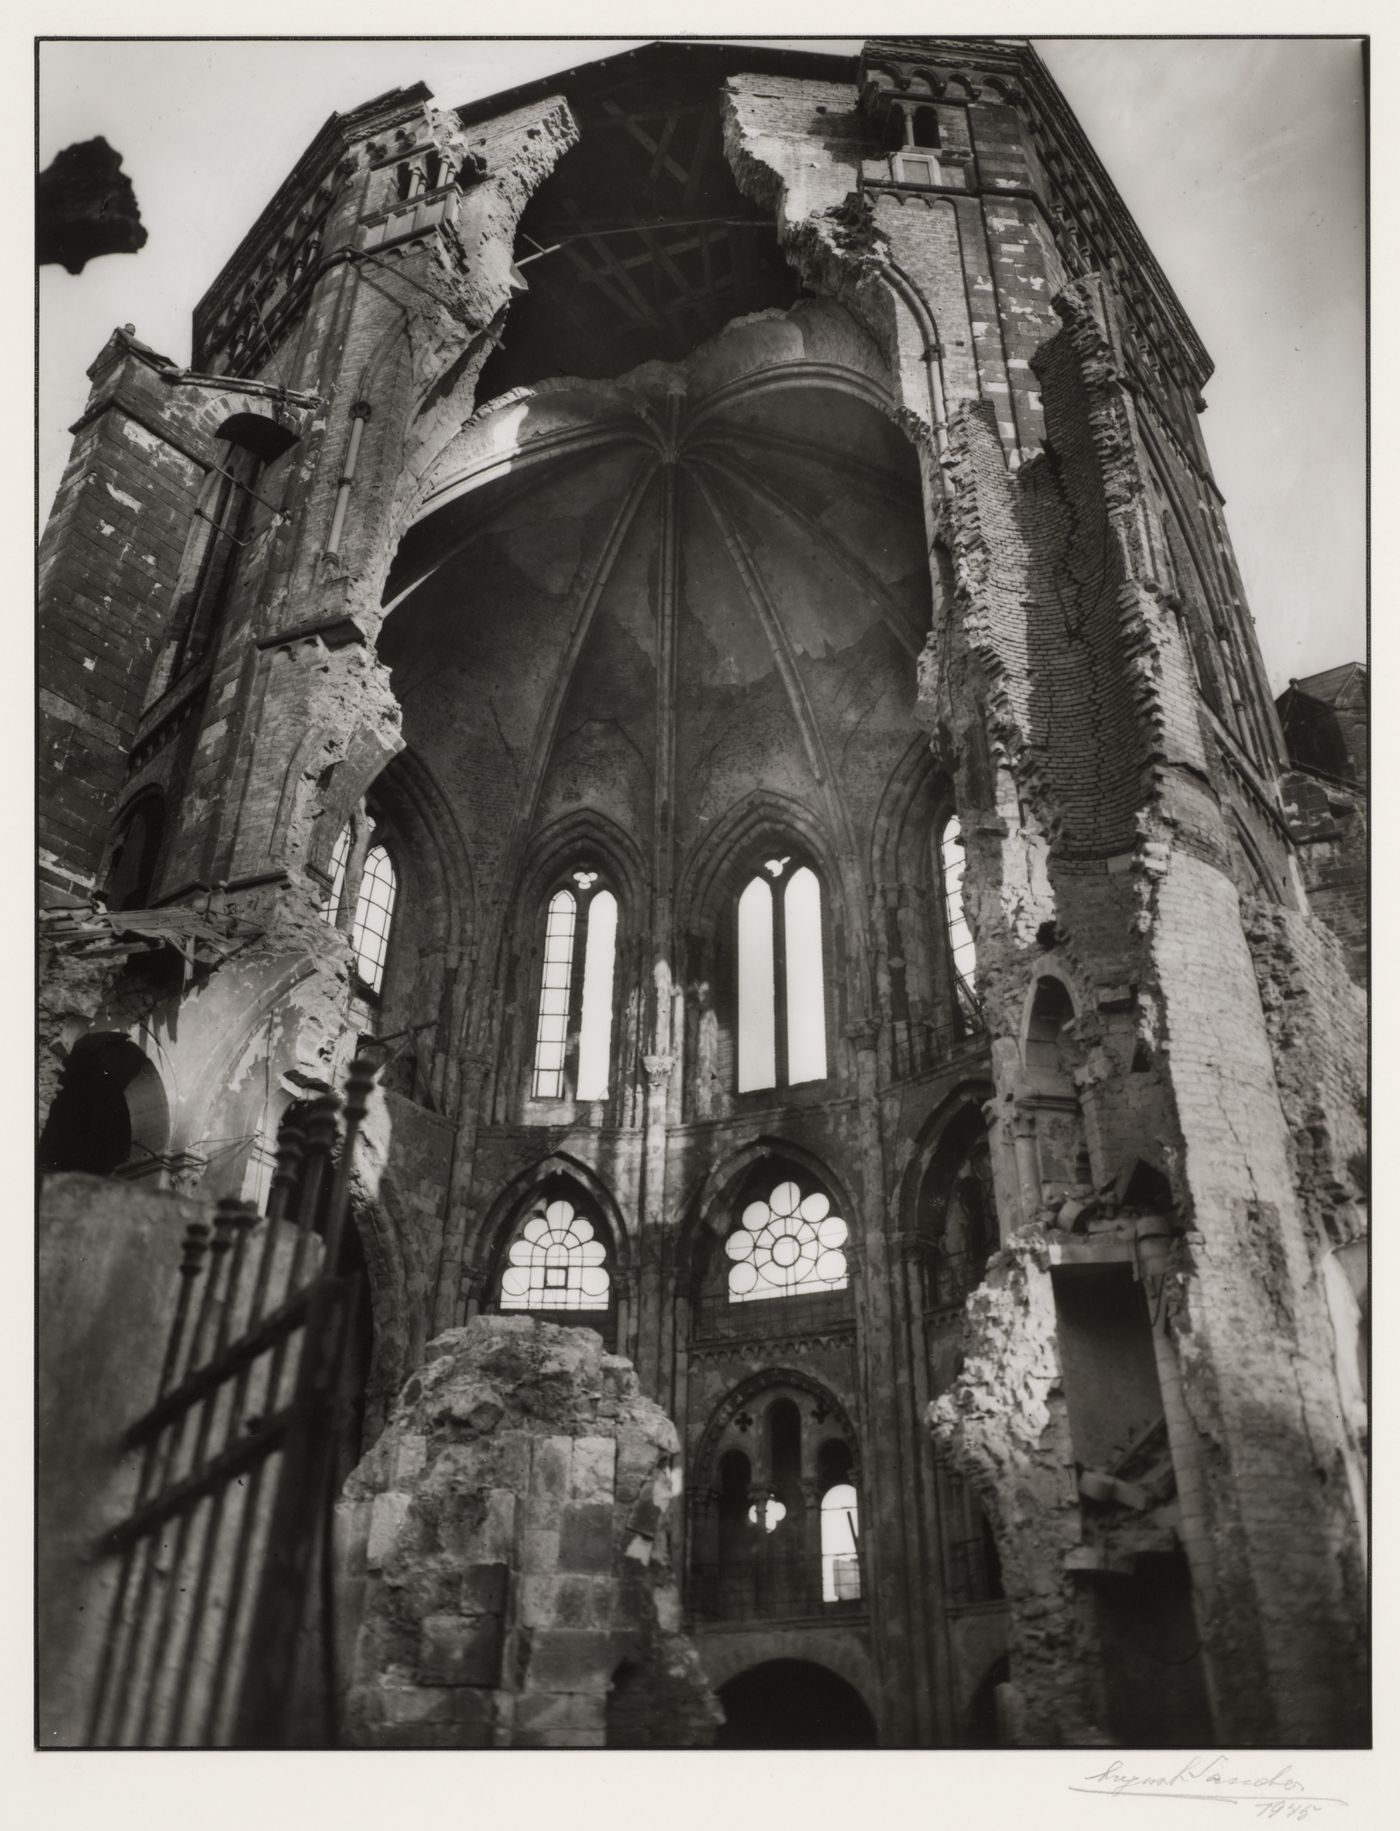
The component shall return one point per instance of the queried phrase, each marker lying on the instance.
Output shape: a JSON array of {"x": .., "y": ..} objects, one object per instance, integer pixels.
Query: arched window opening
[
  {"x": 785, "y": 1447},
  {"x": 957, "y": 1212},
  {"x": 575, "y": 1019},
  {"x": 926, "y": 127},
  {"x": 595, "y": 1026},
  {"x": 110, "y": 1112},
  {"x": 787, "y": 1243},
  {"x": 136, "y": 855},
  {"x": 840, "y": 1537},
  {"x": 758, "y": 1055},
  {"x": 223, "y": 527},
  {"x": 735, "y": 1479},
  {"x": 782, "y": 979},
  {"x": 556, "y": 1263},
  {"x": 553, "y": 1026},
  {"x": 806, "y": 982},
  {"x": 961, "y": 946},
  {"x": 370, "y": 876},
  {"x": 893, "y": 138},
  {"x": 1051, "y": 1009},
  {"x": 769, "y": 1541},
  {"x": 374, "y": 913},
  {"x": 340, "y": 858},
  {"x": 974, "y": 1566}
]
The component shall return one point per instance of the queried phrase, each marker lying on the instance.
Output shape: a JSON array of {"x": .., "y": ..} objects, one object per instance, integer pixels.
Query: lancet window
[
  {"x": 782, "y": 982},
  {"x": 376, "y": 892},
  {"x": 962, "y": 949},
  {"x": 573, "y": 1031}
]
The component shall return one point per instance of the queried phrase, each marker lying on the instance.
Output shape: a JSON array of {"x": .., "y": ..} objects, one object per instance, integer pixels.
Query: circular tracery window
[
  {"x": 556, "y": 1264},
  {"x": 788, "y": 1243}
]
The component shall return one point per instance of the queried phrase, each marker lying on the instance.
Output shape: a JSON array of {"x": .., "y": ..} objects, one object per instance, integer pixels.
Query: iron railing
[{"x": 205, "y": 1643}]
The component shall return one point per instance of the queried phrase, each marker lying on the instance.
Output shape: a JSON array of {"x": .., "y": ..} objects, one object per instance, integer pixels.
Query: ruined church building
[{"x": 684, "y": 609}]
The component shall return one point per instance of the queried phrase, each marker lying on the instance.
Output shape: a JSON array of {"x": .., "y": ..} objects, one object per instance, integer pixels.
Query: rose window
[
  {"x": 556, "y": 1264},
  {"x": 788, "y": 1243}
]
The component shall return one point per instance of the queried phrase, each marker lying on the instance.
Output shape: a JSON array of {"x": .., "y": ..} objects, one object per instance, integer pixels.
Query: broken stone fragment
[
  {"x": 85, "y": 207},
  {"x": 508, "y": 1539}
]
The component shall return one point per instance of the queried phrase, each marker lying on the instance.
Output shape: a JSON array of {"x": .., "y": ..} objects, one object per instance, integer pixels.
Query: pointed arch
[
  {"x": 917, "y": 792},
  {"x": 491, "y": 1238},
  {"x": 717, "y": 864},
  {"x": 710, "y": 1206},
  {"x": 957, "y": 1117},
  {"x": 585, "y": 830}
]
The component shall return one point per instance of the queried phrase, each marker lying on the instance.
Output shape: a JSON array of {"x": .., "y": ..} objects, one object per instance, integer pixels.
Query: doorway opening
[{"x": 793, "y": 1703}]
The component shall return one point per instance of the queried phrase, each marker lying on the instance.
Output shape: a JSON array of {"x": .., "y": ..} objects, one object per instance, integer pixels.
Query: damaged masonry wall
[
  {"x": 936, "y": 537},
  {"x": 505, "y": 1555},
  {"x": 1167, "y": 1061}
]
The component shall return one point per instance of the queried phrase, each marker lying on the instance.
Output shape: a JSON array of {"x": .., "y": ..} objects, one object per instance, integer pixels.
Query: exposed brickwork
[{"x": 940, "y": 538}]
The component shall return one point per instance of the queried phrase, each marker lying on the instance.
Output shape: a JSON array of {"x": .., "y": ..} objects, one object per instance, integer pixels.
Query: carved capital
[{"x": 658, "y": 1069}]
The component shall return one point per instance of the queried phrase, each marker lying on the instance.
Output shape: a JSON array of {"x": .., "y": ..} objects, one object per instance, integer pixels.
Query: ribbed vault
[{"x": 652, "y": 596}]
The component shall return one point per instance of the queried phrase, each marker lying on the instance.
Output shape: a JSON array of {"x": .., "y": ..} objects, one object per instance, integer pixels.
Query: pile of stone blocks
[{"x": 503, "y": 1554}]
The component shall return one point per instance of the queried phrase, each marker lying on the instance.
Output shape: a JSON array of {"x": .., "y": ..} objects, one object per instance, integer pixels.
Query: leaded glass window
[
  {"x": 782, "y": 981},
  {"x": 340, "y": 858},
  {"x": 787, "y": 1243},
  {"x": 553, "y": 1027},
  {"x": 556, "y": 1264},
  {"x": 576, "y": 990},
  {"x": 961, "y": 945},
  {"x": 374, "y": 912}
]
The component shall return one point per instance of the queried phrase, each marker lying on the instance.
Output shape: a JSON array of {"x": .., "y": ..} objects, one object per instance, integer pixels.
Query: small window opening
[
  {"x": 137, "y": 855},
  {"x": 769, "y": 1513},
  {"x": 926, "y": 127},
  {"x": 1051, "y": 1009},
  {"x": 787, "y": 1243}
]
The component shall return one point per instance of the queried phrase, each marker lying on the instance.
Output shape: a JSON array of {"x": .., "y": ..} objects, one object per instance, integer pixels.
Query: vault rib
[
  {"x": 767, "y": 491},
  {"x": 772, "y": 626}
]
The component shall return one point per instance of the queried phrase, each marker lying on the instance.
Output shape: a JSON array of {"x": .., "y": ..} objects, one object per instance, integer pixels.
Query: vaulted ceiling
[{"x": 708, "y": 579}]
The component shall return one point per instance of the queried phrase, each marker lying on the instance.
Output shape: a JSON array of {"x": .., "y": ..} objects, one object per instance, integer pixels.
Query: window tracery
[
  {"x": 787, "y": 1243},
  {"x": 557, "y": 1263}
]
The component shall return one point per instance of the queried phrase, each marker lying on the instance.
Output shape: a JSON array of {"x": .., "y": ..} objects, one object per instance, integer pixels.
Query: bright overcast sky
[{"x": 1241, "y": 160}]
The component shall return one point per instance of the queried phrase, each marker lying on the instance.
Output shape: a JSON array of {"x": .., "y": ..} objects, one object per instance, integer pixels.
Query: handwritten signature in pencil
[{"x": 1276, "y": 1792}]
